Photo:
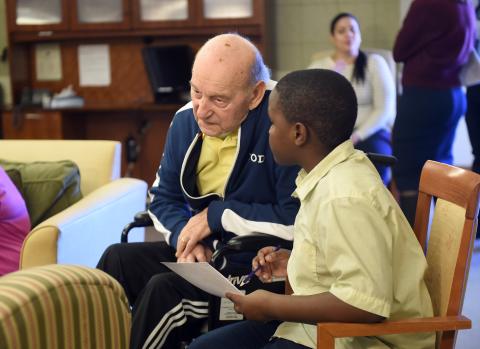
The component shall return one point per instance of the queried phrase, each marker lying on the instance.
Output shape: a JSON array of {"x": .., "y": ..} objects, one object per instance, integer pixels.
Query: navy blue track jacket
[{"x": 257, "y": 193}]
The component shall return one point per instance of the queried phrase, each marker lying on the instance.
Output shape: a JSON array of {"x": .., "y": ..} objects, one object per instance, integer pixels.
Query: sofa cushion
[
  {"x": 15, "y": 177},
  {"x": 48, "y": 187}
]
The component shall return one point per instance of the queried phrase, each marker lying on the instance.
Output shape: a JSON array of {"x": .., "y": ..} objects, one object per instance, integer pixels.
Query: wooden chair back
[{"x": 450, "y": 232}]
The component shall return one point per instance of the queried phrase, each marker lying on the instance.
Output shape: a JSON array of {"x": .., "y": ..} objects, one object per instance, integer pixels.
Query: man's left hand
[
  {"x": 194, "y": 231},
  {"x": 199, "y": 253},
  {"x": 252, "y": 305}
]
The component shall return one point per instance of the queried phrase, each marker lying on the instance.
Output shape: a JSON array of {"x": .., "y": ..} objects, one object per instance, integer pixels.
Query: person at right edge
[
  {"x": 433, "y": 43},
  {"x": 472, "y": 117}
]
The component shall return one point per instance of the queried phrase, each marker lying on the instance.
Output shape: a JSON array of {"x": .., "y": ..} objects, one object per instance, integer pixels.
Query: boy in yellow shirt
[{"x": 355, "y": 257}]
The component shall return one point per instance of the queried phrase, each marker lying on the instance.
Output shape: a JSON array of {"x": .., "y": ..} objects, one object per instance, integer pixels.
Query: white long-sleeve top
[{"x": 376, "y": 96}]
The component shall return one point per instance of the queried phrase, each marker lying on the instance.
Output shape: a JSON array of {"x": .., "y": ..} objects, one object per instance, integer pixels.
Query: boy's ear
[{"x": 301, "y": 134}]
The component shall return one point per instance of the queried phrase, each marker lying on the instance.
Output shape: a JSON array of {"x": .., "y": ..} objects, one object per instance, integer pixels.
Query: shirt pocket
[{"x": 303, "y": 268}]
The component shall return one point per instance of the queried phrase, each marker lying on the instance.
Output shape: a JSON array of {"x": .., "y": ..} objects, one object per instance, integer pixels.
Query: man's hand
[
  {"x": 200, "y": 253},
  {"x": 272, "y": 263},
  {"x": 195, "y": 231},
  {"x": 254, "y": 305}
]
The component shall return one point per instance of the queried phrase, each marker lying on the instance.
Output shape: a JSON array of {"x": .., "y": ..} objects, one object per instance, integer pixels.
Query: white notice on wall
[
  {"x": 94, "y": 65},
  {"x": 48, "y": 62}
]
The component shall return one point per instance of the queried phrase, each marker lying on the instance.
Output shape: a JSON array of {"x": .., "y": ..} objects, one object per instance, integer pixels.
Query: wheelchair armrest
[
  {"x": 141, "y": 219},
  {"x": 382, "y": 159},
  {"x": 247, "y": 243}
]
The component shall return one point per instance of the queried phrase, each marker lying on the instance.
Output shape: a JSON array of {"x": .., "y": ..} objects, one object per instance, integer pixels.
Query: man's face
[
  {"x": 281, "y": 133},
  {"x": 219, "y": 104}
]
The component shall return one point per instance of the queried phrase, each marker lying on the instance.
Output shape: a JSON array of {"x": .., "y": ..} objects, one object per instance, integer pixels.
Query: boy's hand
[
  {"x": 252, "y": 305},
  {"x": 272, "y": 263}
]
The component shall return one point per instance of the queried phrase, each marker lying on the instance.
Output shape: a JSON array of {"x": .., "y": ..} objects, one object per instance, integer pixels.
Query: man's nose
[{"x": 203, "y": 109}]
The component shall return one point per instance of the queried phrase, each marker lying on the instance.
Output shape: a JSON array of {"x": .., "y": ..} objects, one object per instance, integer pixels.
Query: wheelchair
[
  {"x": 221, "y": 310},
  {"x": 230, "y": 260}
]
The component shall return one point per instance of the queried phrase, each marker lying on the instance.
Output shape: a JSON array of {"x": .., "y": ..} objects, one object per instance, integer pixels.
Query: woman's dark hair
[{"x": 360, "y": 65}]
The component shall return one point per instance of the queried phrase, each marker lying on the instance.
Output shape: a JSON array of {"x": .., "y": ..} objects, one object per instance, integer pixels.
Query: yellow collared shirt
[
  {"x": 215, "y": 163},
  {"x": 352, "y": 240}
]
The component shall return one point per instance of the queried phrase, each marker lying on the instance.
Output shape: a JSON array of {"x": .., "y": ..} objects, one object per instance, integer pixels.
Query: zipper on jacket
[{"x": 234, "y": 163}]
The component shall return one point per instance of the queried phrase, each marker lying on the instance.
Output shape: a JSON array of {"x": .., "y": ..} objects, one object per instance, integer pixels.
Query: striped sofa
[{"x": 62, "y": 306}]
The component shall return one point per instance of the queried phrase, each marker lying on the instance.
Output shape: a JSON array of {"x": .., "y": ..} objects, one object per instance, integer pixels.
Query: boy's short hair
[{"x": 322, "y": 100}]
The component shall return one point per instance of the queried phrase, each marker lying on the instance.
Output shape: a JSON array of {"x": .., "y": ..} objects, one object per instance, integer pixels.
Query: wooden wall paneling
[
  {"x": 151, "y": 146},
  {"x": 20, "y": 72},
  {"x": 123, "y": 124},
  {"x": 129, "y": 81}
]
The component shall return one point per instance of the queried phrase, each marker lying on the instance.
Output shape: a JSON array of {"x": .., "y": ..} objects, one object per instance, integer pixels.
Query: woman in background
[
  {"x": 433, "y": 43},
  {"x": 373, "y": 83}
]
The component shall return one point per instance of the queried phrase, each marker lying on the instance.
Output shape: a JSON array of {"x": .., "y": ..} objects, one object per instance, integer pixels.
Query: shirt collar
[{"x": 307, "y": 181}]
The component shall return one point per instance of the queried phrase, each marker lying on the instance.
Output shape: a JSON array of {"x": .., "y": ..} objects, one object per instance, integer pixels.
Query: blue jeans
[{"x": 244, "y": 335}]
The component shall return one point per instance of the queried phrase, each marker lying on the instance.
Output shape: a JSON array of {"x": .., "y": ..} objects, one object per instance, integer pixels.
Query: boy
[{"x": 355, "y": 257}]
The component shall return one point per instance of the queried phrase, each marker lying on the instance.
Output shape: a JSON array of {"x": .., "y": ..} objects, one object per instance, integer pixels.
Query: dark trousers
[
  {"x": 379, "y": 142},
  {"x": 424, "y": 130},
  {"x": 166, "y": 309},
  {"x": 244, "y": 335},
  {"x": 472, "y": 117}
]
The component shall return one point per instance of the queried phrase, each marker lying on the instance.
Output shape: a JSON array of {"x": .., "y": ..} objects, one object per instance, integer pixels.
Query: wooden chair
[{"x": 449, "y": 249}]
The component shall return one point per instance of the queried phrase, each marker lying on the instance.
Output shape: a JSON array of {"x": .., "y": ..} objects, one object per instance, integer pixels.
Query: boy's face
[{"x": 281, "y": 133}]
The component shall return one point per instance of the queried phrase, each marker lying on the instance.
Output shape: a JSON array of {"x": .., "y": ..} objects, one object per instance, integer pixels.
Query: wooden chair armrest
[{"x": 328, "y": 331}]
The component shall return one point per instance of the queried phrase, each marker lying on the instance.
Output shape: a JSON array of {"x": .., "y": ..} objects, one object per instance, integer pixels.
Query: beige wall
[
  {"x": 4, "y": 77},
  {"x": 301, "y": 27}
]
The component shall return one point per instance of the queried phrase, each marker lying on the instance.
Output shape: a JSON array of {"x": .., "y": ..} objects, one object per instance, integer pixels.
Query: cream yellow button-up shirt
[{"x": 352, "y": 240}]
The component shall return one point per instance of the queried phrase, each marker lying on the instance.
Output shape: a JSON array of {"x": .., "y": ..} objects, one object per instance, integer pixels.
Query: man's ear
[
  {"x": 301, "y": 134},
  {"x": 257, "y": 94}
]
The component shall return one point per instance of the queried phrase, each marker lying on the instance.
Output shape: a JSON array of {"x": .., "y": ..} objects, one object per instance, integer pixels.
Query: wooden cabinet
[
  {"x": 44, "y": 16},
  {"x": 37, "y": 15},
  {"x": 100, "y": 14},
  {"x": 37, "y": 124},
  {"x": 52, "y": 19},
  {"x": 196, "y": 13},
  {"x": 163, "y": 14}
]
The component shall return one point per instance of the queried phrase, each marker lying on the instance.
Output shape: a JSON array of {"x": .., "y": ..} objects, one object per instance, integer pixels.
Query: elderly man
[{"x": 217, "y": 179}]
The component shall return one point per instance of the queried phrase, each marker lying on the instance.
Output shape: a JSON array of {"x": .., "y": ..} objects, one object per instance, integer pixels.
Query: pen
[{"x": 250, "y": 275}]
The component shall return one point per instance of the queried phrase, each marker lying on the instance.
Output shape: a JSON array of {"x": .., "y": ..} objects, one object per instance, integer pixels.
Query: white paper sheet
[
  {"x": 94, "y": 65},
  {"x": 48, "y": 62},
  {"x": 204, "y": 276}
]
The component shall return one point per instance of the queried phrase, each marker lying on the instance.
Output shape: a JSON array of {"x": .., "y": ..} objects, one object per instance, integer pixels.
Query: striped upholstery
[{"x": 62, "y": 306}]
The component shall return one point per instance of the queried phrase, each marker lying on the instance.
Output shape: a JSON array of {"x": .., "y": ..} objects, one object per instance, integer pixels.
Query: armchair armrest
[
  {"x": 328, "y": 331},
  {"x": 80, "y": 233}
]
